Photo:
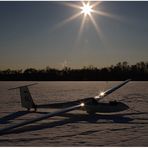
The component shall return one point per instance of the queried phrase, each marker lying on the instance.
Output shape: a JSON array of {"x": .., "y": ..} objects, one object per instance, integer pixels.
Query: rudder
[{"x": 26, "y": 98}]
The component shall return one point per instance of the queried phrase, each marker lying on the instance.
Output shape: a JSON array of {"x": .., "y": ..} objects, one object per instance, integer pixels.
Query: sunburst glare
[{"x": 87, "y": 10}]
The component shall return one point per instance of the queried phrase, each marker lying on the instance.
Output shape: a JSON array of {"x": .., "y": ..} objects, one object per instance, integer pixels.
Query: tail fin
[{"x": 26, "y": 98}]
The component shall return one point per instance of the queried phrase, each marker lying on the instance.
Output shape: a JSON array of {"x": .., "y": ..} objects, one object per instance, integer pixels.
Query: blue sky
[{"x": 29, "y": 36}]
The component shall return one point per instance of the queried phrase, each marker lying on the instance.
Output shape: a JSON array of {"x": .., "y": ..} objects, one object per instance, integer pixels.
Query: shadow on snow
[{"x": 71, "y": 118}]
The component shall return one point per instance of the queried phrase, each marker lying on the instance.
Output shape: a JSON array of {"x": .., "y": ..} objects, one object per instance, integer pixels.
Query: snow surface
[{"x": 76, "y": 128}]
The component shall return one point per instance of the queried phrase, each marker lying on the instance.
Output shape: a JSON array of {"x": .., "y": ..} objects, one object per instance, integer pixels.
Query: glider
[{"x": 91, "y": 105}]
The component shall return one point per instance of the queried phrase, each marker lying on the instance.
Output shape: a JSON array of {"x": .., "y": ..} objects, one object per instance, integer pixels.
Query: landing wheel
[{"x": 35, "y": 108}]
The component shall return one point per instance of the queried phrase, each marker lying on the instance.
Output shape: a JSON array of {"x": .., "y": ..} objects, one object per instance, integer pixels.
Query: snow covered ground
[{"x": 76, "y": 128}]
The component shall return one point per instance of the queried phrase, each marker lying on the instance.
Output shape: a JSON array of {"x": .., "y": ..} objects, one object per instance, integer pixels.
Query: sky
[{"x": 36, "y": 34}]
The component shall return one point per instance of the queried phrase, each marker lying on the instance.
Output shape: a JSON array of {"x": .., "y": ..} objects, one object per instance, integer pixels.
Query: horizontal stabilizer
[{"x": 23, "y": 86}]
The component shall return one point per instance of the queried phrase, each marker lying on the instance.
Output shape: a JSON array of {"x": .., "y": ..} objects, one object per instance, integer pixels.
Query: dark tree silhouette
[{"x": 120, "y": 71}]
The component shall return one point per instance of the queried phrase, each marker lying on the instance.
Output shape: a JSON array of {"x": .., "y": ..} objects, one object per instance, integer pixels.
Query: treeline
[{"x": 120, "y": 71}]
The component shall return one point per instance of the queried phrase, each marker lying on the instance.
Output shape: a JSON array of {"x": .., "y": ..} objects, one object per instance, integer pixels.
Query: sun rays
[{"x": 86, "y": 10}]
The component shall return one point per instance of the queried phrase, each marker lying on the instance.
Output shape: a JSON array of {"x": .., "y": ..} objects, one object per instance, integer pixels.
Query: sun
[
  {"x": 86, "y": 9},
  {"x": 90, "y": 11}
]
